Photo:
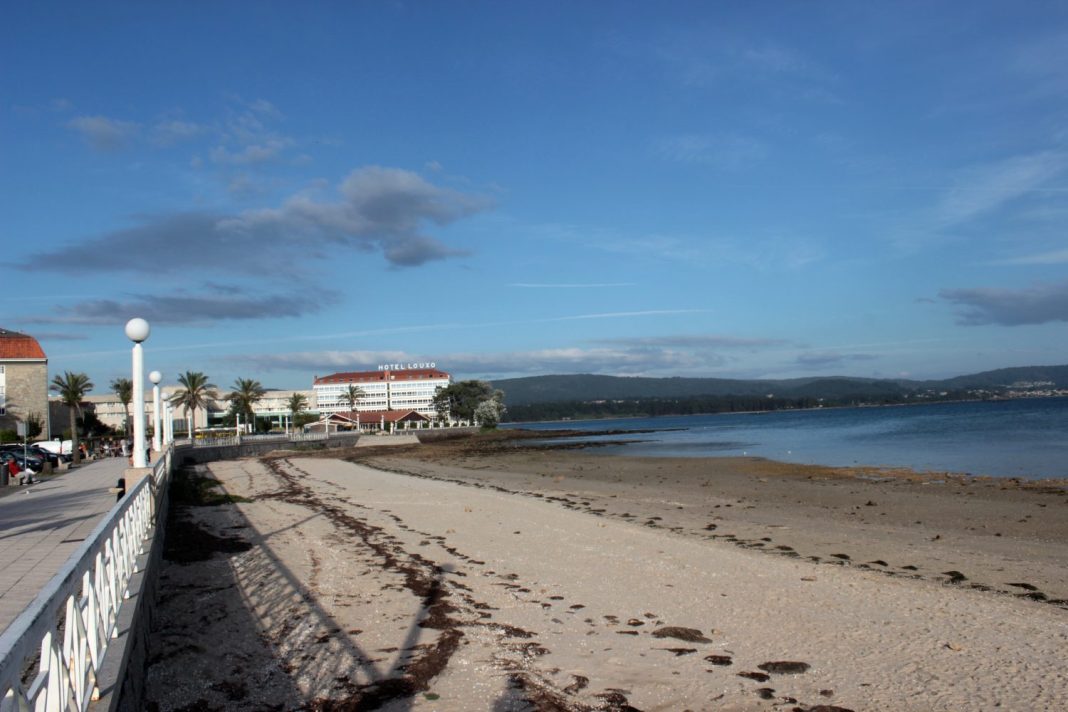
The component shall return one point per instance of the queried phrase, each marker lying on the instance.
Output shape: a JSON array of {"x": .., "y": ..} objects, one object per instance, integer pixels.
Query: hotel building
[{"x": 391, "y": 387}]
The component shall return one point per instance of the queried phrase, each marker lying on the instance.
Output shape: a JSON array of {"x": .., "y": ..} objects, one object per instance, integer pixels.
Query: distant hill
[
  {"x": 1056, "y": 376},
  {"x": 590, "y": 387}
]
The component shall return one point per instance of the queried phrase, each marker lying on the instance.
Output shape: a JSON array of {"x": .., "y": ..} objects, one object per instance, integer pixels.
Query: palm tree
[
  {"x": 123, "y": 388},
  {"x": 72, "y": 388},
  {"x": 354, "y": 395},
  {"x": 297, "y": 403},
  {"x": 195, "y": 393},
  {"x": 246, "y": 393}
]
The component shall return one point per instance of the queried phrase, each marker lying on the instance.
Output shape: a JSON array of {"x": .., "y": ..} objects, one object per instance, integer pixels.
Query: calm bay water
[{"x": 1025, "y": 438}]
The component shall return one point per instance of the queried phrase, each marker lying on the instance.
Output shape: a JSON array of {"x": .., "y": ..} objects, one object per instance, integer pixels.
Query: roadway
[{"x": 42, "y": 524}]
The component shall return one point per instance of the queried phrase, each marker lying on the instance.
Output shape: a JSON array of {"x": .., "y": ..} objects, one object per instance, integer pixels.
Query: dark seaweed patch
[
  {"x": 784, "y": 667},
  {"x": 689, "y": 635}
]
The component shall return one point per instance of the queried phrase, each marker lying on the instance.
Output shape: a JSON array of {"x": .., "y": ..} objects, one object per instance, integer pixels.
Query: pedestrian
[{"x": 24, "y": 477}]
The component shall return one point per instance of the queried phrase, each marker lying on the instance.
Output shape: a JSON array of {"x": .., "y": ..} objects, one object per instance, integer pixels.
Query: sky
[{"x": 734, "y": 189}]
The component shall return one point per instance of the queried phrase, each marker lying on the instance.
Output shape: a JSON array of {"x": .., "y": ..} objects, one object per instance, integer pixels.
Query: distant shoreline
[
  {"x": 1006, "y": 399},
  {"x": 1017, "y": 438}
]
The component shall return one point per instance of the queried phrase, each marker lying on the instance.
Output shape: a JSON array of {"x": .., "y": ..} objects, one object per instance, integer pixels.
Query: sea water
[{"x": 1026, "y": 438}]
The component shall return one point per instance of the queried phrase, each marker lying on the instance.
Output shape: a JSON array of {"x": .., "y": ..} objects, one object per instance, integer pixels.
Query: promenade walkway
[{"x": 42, "y": 524}]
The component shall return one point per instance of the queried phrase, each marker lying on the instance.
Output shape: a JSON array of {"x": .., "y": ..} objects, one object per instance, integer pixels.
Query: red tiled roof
[
  {"x": 14, "y": 345},
  {"x": 375, "y": 376}
]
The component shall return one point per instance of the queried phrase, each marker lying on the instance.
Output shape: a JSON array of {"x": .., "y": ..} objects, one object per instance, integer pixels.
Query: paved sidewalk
[{"x": 41, "y": 525}]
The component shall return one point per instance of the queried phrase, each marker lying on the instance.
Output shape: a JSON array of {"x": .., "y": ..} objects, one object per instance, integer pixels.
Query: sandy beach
[{"x": 487, "y": 575}]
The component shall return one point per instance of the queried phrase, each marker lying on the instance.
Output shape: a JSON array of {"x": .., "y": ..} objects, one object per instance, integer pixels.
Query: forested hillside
[{"x": 593, "y": 396}]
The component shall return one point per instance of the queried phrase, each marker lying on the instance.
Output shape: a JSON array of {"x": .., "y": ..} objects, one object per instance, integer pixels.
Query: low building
[
  {"x": 384, "y": 420},
  {"x": 274, "y": 406},
  {"x": 23, "y": 381},
  {"x": 386, "y": 389}
]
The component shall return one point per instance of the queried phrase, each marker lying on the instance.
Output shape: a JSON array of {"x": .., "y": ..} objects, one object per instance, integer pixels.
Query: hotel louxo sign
[{"x": 405, "y": 366}]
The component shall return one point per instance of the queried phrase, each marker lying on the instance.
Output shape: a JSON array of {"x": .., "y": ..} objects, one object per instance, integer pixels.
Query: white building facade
[
  {"x": 274, "y": 405},
  {"x": 393, "y": 387}
]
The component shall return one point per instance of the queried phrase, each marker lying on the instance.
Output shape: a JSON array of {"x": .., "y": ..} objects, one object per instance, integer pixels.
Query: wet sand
[
  {"x": 470, "y": 577},
  {"x": 973, "y": 531}
]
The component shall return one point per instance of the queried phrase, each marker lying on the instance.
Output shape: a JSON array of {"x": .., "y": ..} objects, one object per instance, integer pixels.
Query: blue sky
[{"x": 768, "y": 189}]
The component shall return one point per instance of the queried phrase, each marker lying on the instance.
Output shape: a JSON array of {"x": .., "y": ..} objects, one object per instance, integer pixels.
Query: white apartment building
[{"x": 393, "y": 387}]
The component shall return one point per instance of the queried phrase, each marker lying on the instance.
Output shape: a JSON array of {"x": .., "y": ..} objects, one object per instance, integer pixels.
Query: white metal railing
[
  {"x": 217, "y": 442},
  {"x": 73, "y": 619},
  {"x": 309, "y": 437}
]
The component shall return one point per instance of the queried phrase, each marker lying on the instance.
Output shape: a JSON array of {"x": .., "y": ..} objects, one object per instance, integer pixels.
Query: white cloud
[
  {"x": 103, "y": 133},
  {"x": 697, "y": 341},
  {"x": 167, "y": 133},
  {"x": 819, "y": 360},
  {"x": 726, "y": 151},
  {"x": 374, "y": 209},
  {"x": 630, "y": 356},
  {"x": 622, "y": 362},
  {"x": 270, "y": 149},
  {"x": 984, "y": 189},
  {"x": 565, "y": 285},
  {"x": 706, "y": 58},
  {"x": 1040, "y": 304},
  {"x": 1055, "y": 257},
  {"x": 212, "y": 304}
]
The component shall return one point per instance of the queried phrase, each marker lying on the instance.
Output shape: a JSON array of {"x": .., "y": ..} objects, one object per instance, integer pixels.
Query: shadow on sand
[{"x": 224, "y": 587}]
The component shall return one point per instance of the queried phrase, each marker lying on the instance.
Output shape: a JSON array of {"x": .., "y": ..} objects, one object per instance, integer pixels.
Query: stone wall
[
  {"x": 199, "y": 455},
  {"x": 428, "y": 436},
  {"x": 26, "y": 387}
]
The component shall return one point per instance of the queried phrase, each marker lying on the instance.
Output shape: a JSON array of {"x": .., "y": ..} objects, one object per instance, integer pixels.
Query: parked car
[
  {"x": 43, "y": 455},
  {"x": 36, "y": 462},
  {"x": 47, "y": 455},
  {"x": 17, "y": 448},
  {"x": 61, "y": 447}
]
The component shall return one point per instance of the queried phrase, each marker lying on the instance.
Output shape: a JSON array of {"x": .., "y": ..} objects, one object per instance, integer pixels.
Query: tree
[
  {"x": 488, "y": 413},
  {"x": 123, "y": 388},
  {"x": 297, "y": 403},
  {"x": 194, "y": 393},
  {"x": 460, "y": 399},
  {"x": 72, "y": 388},
  {"x": 353, "y": 396},
  {"x": 247, "y": 392},
  {"x": 34, "y": 425}
]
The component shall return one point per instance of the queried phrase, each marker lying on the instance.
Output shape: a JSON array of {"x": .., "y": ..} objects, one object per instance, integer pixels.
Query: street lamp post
[
  {"x": 137, "y": 331},
  {"x": 155, "y": 377},
  {"x": 168, "y": 424}
]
